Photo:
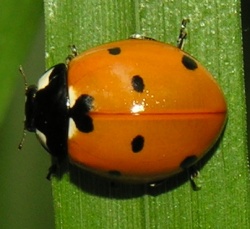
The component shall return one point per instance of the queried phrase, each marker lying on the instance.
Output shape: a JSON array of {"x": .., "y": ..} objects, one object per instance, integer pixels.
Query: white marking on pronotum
[
  {"x": 72, "y": 128},
  {"x": 44, "y": 79}
]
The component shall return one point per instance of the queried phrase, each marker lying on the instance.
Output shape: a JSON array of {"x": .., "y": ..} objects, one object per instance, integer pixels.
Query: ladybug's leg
[
  {"x": 52, "y": 170},
  {"x": 183, "y": 34},
  {"x": 140, "y": 37},
  {"x": 73, "y": 54},
  {"x": 193, "y": 177},
  {"x": 157, "y": 183},
  {"x": 55, "y": 167}
]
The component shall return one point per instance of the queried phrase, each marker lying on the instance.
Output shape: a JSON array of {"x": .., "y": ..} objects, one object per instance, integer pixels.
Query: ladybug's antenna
[
  {"x": 24, "y": 77},
  {"x": 183, "y": 34},
  {"x": 20, "y": 146}
]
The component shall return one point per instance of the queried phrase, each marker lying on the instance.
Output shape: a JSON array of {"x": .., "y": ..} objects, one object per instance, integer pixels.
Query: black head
[{"x": 46, "y": 110}]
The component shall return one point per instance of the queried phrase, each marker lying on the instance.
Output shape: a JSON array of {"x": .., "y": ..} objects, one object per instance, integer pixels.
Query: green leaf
[{"x": 84, "y": 201}]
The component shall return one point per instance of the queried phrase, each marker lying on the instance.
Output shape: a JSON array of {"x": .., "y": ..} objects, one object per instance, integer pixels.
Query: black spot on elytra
[
  {"x": 114, "y": 51},
  {"x": 137, "y": 83},
  {"x": 137, "y": 143},
  {"x": 188, "y": 162},
  {"x": 115, "y": 173},
  {"x": 189, "y": 63},
  {"x": 79, "y": 113}
]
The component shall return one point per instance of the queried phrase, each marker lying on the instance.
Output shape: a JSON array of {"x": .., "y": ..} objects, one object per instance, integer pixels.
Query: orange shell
[{"x": 179, "y": 111}]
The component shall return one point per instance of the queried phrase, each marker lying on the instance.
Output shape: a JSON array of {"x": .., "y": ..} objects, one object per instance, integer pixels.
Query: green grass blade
[{"x": 84, "y": 201}]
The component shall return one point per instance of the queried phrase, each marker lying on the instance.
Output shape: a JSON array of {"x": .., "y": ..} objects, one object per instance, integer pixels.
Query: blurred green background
[{"x": 25, "y": 194}]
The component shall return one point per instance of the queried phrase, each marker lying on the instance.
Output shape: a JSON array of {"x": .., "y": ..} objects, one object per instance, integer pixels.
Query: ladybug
[{"x": 136, "y": 110}]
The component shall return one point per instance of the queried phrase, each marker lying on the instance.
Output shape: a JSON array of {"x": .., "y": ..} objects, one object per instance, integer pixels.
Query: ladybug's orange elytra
[{"x": 149, "y": 89}]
